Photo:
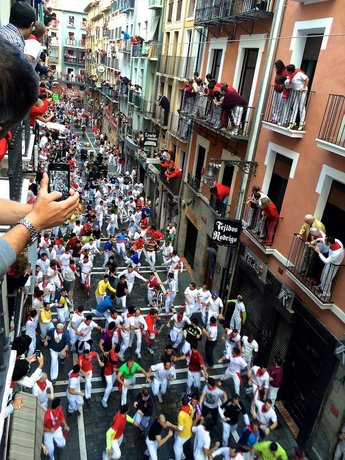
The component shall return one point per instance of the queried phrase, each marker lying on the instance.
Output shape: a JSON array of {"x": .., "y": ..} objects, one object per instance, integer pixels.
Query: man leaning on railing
[{"x": 18, "y": 93}]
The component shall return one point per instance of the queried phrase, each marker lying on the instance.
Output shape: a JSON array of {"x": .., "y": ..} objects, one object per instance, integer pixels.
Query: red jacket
[{"x": 222, "y": 191}]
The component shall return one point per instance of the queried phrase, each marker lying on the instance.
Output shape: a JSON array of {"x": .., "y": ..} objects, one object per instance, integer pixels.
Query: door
[
  {"x": 200, "y": 162},
  {"x": 334, "y": 213},
  {"x": 216, "y": 62},
  {"x": 311, "y": 56},
  {"x": 279, "y": 180},
  {"x": 190, "y": 245},
  {"x": 247, "y": 74},
  {"x": 227, "y": 175},
  {"x": 308, "y": 368}
]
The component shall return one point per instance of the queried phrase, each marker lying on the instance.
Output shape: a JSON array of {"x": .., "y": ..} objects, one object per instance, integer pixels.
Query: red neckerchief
[
  {"x": 129, "y": 315},
  {"x": 213, "y": 388},
  {"x": 335, "y": 246},
  {"x": 111, "y": 333},
  {"x": 186, "y": 409},
  {"x": 32, "y": 37},
  {"x": 78, "y": 313},
  {"x": 259, "y": 373},
  {"x": 291, "y": 77},
  {"x": 30, "y": 319},
  {"x": 85, "y": 322},
  {"x": 74, "y": 375},
  {"x": 264, "y": 409},
  {"x": 42, "y": 385}
]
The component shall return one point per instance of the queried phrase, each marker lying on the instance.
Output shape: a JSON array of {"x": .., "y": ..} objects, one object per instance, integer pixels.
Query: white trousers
[
  {"x": 110, "y": 379},
  {"x": 121, "y": 301},
  {"x": 99, "y": 298},
  {"x": 49, "y": 439},
  {"x": 54, "y": 363},
  {"x": 115, "y": 445},
  {"x": 45, "y": 327},
  {"x": 151, "y": 258},
  {"x": 88, "y": 385},
  {"x": 152, "y": 447},
  {"x": 130, "y": 383},
  {"x": 236, "y": 323},
  {"x": 178, "y": 446},
  {"x": 176, "y": 336},
  {"x": 121, "y": 249},
  {"x": 150, "y": 295},
  {"x": 138, "y": 335},
  {"x": 63, "y": 314},
  {"x": 227, "y": 430},
  {"x": 235, "y": 378},
  {"x": 125, "y": 342},
  {"x": 272, "y": 394},
  {"x": 169, "y": 301},
  {"x": 32, "y": 346},
  {"x": 192, "y": 308},
  {"x": 75, "y": 402},
  {"x": 193, "y": 378},
  {"x": 158, "y": 387}
]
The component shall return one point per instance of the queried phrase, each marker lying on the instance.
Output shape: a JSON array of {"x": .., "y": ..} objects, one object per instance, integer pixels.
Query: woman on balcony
[
  {"x": 270, "y": 212},
  {"x": 280, "y": 93}
]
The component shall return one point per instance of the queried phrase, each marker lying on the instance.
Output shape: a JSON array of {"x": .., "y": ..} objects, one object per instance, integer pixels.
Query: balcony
[
  {"x": 74, "y": 60},
  {"x": 125, "y": 46},
  {"x": 143, "y": 106},
  {"x": 128, "y": 6},
  {"x": 258, "y": 228},
  {"x": 176, "y": 66},
  {"x": 332, "y": 131},
  {"x": 204, "y": 112},
  {"x": 112, "y": 62},
  {"x": 110, "y": 92},
  {"x": 75, "y": 43},
  {"x": 155, "y": 4},
  {"x": 53, "y": 59},
  {"x": 146, "y": 50},
  {"x": 180, "y": 127},
  {"x": 232, "y": 11},
  {"x": 307, "y": 270},
  {"x": 283, "y": 115},
  {"x": 194, "y": 183},
  {"x": 173, "y": 185}
]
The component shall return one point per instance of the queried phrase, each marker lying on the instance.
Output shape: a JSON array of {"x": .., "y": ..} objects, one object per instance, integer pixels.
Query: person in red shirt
[
  {"x": 85, "y": 363},
  {"x": 110, "y": 369},
  {"x": 152, "y": 332},
  {"x": 271, "y": 214},
  {"x": 38, "y": 110},
  {"x": 196, "y": 364},
  {"x": 276, "y": 378},
  {"x": 154, "y": 233},
  {"x": 53, "y": 419},
  {"x": 114, "y": 435},
  {"x": 220, "y": 195}
]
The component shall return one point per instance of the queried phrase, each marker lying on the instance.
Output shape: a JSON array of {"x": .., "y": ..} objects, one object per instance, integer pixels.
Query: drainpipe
[{"x": 258, "y": 113}]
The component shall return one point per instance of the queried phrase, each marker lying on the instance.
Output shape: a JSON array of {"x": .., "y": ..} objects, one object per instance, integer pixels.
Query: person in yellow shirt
[
  {"x": 46, "y": 321},
  {"x": 102, "y": 287},
  {"x": 184, "y": 423},
  {"x": 308, "y": 256},
  {"x": 268, "y": 450}
]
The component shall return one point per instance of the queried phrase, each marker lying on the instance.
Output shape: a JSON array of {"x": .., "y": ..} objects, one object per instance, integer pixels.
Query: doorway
[
  {"x": 333, "y": 216},
  {"x": 190, "y": 245},
  {"x": 279, "y": 180},
  {"x": 248, "y": 71},
  {"x": 310, "y": 56},
  {"x": 216, "y": 62},
  {"x": 200, "y": 162}
]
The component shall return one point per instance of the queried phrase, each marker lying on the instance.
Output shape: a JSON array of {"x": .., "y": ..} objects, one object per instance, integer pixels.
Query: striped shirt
[{"x": 13, "y": 35}]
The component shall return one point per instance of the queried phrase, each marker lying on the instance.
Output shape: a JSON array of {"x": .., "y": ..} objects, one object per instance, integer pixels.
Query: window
[
  {"x": 216, "y": 63},
  {"x": 191, "y": 8},
  {"x": 228, "y": 175},
  {"x": 279, "y": 180},
  {"x": 310, "y": 56},
  {"x": 71, "y": 21},
  {"x": 178, "y": 10},
  {"x": 199, "y": 162},
  {"x": 170, "y": 10},
  {"x": 333, "y": 216},
  {"x": 247, "y": 74}
]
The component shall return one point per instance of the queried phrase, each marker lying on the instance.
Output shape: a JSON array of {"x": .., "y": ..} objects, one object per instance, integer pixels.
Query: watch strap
[{"x": 31, "y": 229}]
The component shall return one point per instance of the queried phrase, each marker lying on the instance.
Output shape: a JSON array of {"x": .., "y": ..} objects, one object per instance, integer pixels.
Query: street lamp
[{"x": 247, "y": 167}]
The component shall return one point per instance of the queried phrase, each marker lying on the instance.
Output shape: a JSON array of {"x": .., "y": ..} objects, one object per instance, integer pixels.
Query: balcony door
[
  {"x": 216, "y": 63},
  {"x": 247, "y": 73},
  {"x": 190, "y": 245},
  {"x": 311, "y": 56},
  {"x": 333, "y": 216},
  {"x": 279, "y": 180},
  {"x": 199, "y": 162}
]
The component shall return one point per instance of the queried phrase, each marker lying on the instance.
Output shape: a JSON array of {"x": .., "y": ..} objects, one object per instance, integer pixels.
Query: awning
[
  {"x": 153, "y": 28},
  {"x": 27, "y": 429}
]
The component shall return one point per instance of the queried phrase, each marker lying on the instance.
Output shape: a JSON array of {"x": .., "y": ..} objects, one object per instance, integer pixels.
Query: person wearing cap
[
  {"x": 59, "y": 344},
  {"x": 214, "y": 306}
]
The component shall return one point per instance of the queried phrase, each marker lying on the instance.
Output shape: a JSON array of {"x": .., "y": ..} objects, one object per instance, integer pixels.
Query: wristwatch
[{"x": 31, "y": 229}]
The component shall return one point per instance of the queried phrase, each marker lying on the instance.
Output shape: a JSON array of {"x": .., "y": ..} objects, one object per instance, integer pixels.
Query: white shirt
[
  {"x": 86, "y": 267},
  {"x": 212, "y": 397},
  {"x": 162, "y": 374},
  {"x": 191, "y": 295},
  {"x": 86, "y": 329},
  {"x": 212, "y": 331},
  {"x": 31, "y": 326},
  {"x": 262, "y": 381},
  {"x": 237, "y": 363},
  {"x": 65, "y": 259},
  {"x": 232, "y": 342},
  {"x": 204, "y": 296},
  {"x": 248, "y": 348},
  {"x": 202, "y": 440},
  {"x": 180, "y": 324},
  {"x": 130, "y": 276},
  {"x": 33, "y": 48},
  {"x": 265, "y": 418},
  {"x": 118, "y": 320},
  {"x": 239, "y": 308},
  {"x": 335, "y": 256},
  {"x": 68, "y": 274},
  {"x": 225, "y": 452},
  {"x": 297, "y": 83},
  {"x": 74, "y": 382},
  {"x": 42, "y": 396},
  {"x": 139, "y": 321},
  {"x": 128, "y": 321},
  {"x": 215, "y": 305},
  {"x": 77, "y": 229},
  {"x": 77, "y": 319},
  {"x": 43, "y": 264}
]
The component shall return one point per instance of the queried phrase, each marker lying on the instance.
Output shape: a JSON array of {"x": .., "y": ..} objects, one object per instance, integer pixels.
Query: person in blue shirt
[
  {"x": 108, "y": 250},
  {"x": 126, "y": 35},
  {"x": 250, "y": 436},
  {"x": 107, "y": 303}
]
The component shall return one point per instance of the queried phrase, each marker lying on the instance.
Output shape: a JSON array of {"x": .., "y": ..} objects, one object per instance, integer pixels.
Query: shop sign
[
  {"x": 286, "y": 297},
  {"x": 150, "y": 139},
  {"x": 226, "y": 232},
  {"x": 255, "y": 264}
]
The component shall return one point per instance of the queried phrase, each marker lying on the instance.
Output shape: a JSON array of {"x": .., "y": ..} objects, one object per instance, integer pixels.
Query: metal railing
[
  {"x": 74, "y": 60},
  {"x": 125, "y": 46},
  {"x": 219, "y": 206},
  {"x": 232, "y": 11},
  {"x": 262, "y": 229},
  {"x": 288, "y": 109},
  {"x": 332, "y": 127},
  {"x": 194, "y": 182},
  {"x": 128, "y": 5},
  {"x": 319, "y": 278},
  {"x": 109, "y": 92},
  {"x": 180, "y": 126},
  {"x": 178, "y": 66},
  {"x": 205, "y": 112},
  {"x": 144, "y": 106},
  {"x": 145, "y": 50},
  {"x": 112, "y": 62}
]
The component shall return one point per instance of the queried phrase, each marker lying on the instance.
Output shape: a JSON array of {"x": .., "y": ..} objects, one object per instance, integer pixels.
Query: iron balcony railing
[
  {"x": 109, "y": 92},
  {"x": 203, "y": 110},
  {"x": 288, "y": 109},
  {"x": 262, "y": 229},
  {"x": 74, "y": 60},
  {"x": 305, "y": 265},
  {"x": 218, "y": 206},
  {"x": 180, "y": 126},
  {"x": 194, "y": 182},
  {"x": 333, "y": 122},
  {"x": 128, "y": 5},
  {"x": 144, "y": 106},
  {"x": 220, "y": 11},
  {"x": 145, "y": 50},
  {"x": 112, "y": 62},
  {"x": 125, "y": 46},
  {"x": 178, "y": 66}
]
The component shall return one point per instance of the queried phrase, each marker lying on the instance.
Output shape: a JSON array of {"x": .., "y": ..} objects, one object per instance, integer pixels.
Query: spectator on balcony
[
  {"x": 308, "y": 256},
  {"x": 271, "y": 214},
  {"x": 280, "y": 92},
  {"x": 21, "y": 25},
  {"x": 172, "y": 172},
  {"x": 220, "y": 195},
  {"x": 297, "y": 81},
  {"x": 233, "y": 106},
  {"x": 224, "y": 117},
  {"x": 190, "y": 89},
  {"x": 164, "y": 102},
  {"x": 125, "y": 34},
  {"x": 332, "y": 264},
  {"x": 39, "y": 110},
  {"x": 33, "y": 46}
]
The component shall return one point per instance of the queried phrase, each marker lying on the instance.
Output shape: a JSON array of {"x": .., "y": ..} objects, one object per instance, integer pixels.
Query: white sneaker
[
  {"x": 151, "y": 351},
  {"x": 160, "y": 399},
  {"x": 104, "y": 404},
  {"x": 139, "y": 355}
]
